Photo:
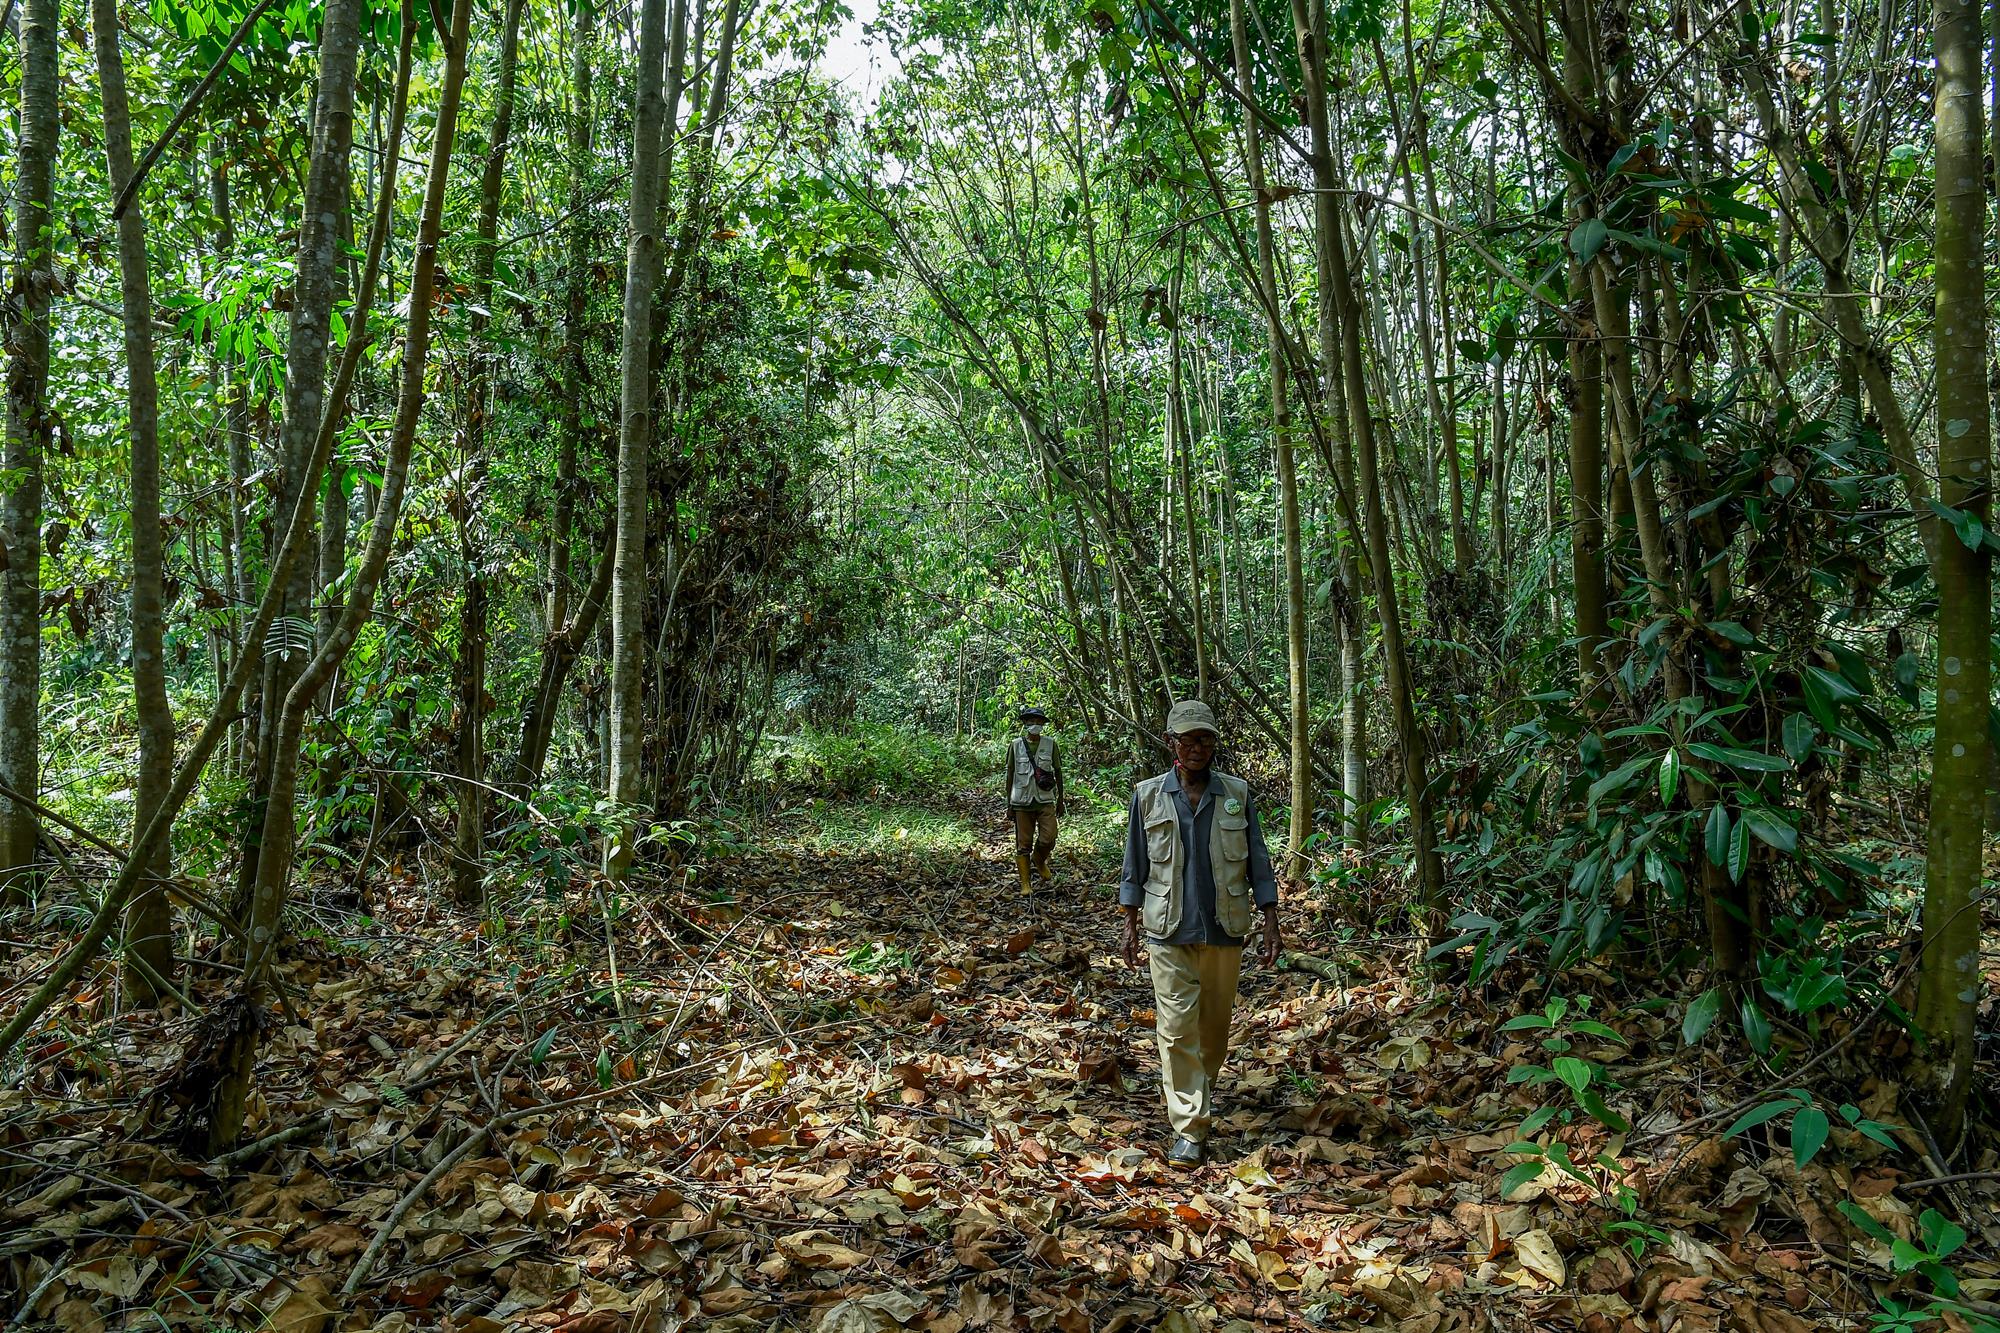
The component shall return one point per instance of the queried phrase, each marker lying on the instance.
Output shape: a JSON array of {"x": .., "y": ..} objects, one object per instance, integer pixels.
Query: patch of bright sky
[{"x": 859, "y": 63}]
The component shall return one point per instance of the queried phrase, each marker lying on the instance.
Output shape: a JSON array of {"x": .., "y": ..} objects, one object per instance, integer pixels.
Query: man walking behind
[
  {"x": 1035, "y": 796},
  {"x": 1195, "y": 862}
]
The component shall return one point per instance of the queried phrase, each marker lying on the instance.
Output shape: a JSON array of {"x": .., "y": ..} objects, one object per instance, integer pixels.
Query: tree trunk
[
  {"x": 1288, "y": 478},
  {"x": 1409, "y": 738},
  {"x": 149, "y": 917},
  {"x": 576, "y": 285},
  {"x": 635, "y": 438},
  {"x": 30, "y": 427},
  {"x": 274, "y": 864},
  {"x": 469, "y": 843},
  {"x": 233, "y": 388},
  {"x": 320, "y": 266},
  {"x": 1309, "y": 23},
  {"x": 1948, "y": 978}
]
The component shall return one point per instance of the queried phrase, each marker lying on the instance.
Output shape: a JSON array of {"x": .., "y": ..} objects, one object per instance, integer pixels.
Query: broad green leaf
[
  {"x": 1809, "y": 1130},
  {"x": 1670, "y": 776},
  {"x": 1739, "y": 849},
  {"x": 1756, "y": 1027},
  {"x": 1799, "y": 733},
  {"x": 1701, "y": 1015},
  {"x": 1534, "y": 1123},
  {"x": 1576, "y": 1074},
  {"x": 1772, "y": 830},
  {"x": 1594, "y": 1104},
  {"x": 1941, "y": 1234},
  {"x": 1754, "y": 761},
  {"x": 1716, "y": 835},
  {"x": 1518, "y": 1175},
  {"x": 1587, "y": 238}
]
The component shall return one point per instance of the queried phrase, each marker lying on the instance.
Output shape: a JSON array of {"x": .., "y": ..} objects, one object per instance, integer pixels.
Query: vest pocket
[
  {"x": 1232, "y": 835},
  {"x": 1160, "y": 842}
]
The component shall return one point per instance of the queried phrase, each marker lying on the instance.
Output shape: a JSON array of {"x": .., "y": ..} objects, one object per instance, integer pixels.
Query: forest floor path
[{"x": 855, "y": 1089}]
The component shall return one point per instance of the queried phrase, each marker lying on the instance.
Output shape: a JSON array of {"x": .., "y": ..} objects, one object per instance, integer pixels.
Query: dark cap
[{"x": 1031, "y": 711}]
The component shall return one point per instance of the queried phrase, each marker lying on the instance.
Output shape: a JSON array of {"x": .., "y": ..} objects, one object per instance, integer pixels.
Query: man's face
[{"x": 1195, "y": 750}]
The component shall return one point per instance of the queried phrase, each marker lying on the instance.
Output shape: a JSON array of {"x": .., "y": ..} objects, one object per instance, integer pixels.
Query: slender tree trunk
[
  {"x": 469, "y": 842},
  {"x": 230, "y": 1094},
  {"x": 149, "y": 916},
  {"x": 1179, "y": 434},
  {"x": 576, "y": 285},
  {"x": 1586, "y": 394},
  {"x": 538, "y": 719},
  {"x": 1309, "y": 24},
  {"x": 1948, "y": 977},
  {"x": 233, "y": 386},
  {"x": 1409, "y": 737},
  {"x": 30, "y": 426},
  {"x": 1288, "y": 478},
  {"x": 319, "y": 272},
  {"x": 635, "y": 438}
]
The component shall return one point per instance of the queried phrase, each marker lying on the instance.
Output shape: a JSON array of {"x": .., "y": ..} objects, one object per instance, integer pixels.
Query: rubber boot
[
  {"x": 1044, "y": 874},
  {"x": 1021, "y": 865}
]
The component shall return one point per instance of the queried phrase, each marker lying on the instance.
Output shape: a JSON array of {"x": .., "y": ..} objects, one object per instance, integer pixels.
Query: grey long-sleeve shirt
[{"x": 1198, "y": 919}]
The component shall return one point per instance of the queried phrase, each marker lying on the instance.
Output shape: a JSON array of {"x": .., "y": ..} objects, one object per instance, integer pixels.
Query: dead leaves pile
[{"x": 879, "y": 1095}]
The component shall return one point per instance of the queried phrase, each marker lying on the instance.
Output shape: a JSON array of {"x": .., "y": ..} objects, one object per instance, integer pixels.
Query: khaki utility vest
[
  {"x": 1021, "y": 788},
  {"x": 1228, "y": 854}
]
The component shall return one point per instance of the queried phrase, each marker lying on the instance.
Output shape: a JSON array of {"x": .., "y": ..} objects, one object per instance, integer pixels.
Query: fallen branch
[{"x": 1319, "y": 967}]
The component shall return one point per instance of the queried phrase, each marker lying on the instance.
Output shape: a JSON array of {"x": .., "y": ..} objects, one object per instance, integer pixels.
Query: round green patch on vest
[{"x": 1232, "y": 806}]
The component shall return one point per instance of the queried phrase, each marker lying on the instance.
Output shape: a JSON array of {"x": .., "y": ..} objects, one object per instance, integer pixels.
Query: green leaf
[
  {"x": 1576, "y": 1074},
  {"x": 1523, "y": 1022},
  {"x": 1799, "y": 733},
  {"x": 1739, "y": 849},
  {"x": 1670, "y": 776},
  {"x": 1650, "y": 244},
  {"x": 1758, "y": 1115},
  {"x": 1618, "y": 778},
  {"x": 1534, "y": 1123},
  {"x": 1809, "y": 1130},
  {"x": 1941, "y": 1234},
  {"x": 1593, "y": 1103},
  {"x": 604, "y": 1068},
  {"x": 1701, "y": 1015},
  {"x": 1754, "y": 761},
  {"x": 1868, "y": 1226},
  {"x": 1716, "y": 835},
  {"x": 1772, "y": 830},
  {"x": 1964, "y": 522},
  {"x": 1518, "y": 1175},
  {"x": 1756, "y": 1027},
  {"x": 1587, "y": 238}
]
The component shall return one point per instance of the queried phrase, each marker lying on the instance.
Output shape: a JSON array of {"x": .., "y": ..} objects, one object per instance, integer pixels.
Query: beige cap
[{"x": 1191, "y": 715}]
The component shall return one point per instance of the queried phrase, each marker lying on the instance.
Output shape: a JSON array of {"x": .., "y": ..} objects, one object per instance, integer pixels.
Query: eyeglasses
[{"x": 1199, "y": 741}]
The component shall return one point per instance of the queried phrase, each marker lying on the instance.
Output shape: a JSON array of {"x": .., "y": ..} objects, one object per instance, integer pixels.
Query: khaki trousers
[
  {"x": 1194, "y": 992},
  {"x": 1035, "y": 832}
]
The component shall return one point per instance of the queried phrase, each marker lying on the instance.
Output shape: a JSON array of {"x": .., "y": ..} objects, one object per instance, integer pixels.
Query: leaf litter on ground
[{"x": 856, "y": 1091}]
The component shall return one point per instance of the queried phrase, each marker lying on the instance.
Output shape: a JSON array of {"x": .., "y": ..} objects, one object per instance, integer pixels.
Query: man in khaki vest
[
  {"x": 1195, "y": 865},
  {"x": 1036, "y": 796}
]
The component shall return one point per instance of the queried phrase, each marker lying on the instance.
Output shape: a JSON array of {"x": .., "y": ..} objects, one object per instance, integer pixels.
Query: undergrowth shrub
[{"x": 877, "y": 761}]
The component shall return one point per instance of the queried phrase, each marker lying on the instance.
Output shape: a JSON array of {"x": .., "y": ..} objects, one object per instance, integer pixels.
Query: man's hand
[
  {"x": 1274, "y": 941},
  {"x": 1128, "y": 939},
  {"x": 1062, "y": 809}
]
